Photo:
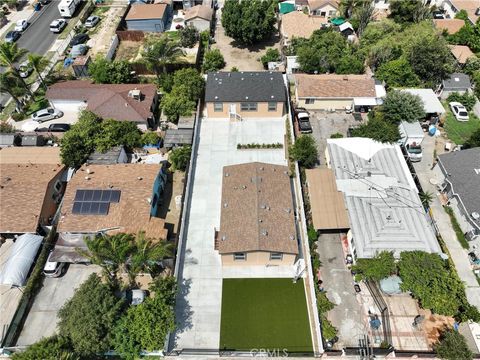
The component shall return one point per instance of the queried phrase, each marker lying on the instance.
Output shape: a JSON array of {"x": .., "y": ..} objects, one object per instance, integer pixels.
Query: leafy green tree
[
  {"x": 468, "y": 35},
  {"x": 104, "y": 71},
  {"x": 39, "y": 63},
  {"x": 165, "y": 288},
  {"x": 177, "y": 103},
  {"x": 191, "y": 81},
  {"x": 161, "y": 51},
  {"x": 51, "y": 348},
  {"x": 453, "y": 346},
  {"x": 405, "y": 11},
  {"x": 144, "y": 327},
  {"x": 381, "y": 266},
  {"x": 305, "y": 151},
  {"x": 378, "y": 129},
  {"x": 473, "y": 140},
  {"x": 363, "y": 14},
  {"x": 213, "y": 61},
  {"x": 188, "y": 36},
  {"x": 150, "y": 137},
  {"x": 89, "y": 317},
  {"x": 272, "y": 55},
  {"x": 179, "y": 157},
  {"x": 472, "y": 66},
  {"x": 350, "y": 64},
  {"x": 249, "y": 22},
  {"x": 402, "y": 106},
  {"x": 397, "y": 73},
  {"x": 114, "y": 133}
]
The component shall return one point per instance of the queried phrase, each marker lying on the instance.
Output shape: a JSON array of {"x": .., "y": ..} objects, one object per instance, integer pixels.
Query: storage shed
[
  {"x": 148, "y": 17},
  {"x": 457, "y": 82}
]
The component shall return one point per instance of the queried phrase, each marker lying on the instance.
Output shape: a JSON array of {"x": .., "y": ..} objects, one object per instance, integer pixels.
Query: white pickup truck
[{"x": 411, "y": 137}]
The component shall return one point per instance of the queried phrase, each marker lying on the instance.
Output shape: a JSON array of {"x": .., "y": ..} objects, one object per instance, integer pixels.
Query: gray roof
[
  {"x": 383, "y": 205},
  {"x": 457, "y": 81},
  {"x": 257, "y": 86},
  {"x": 463, "y": 169},
  {"x": 109, "y": 157},
  {"x": 431, "y": 104},
  {"x": 175, "y": 137}
]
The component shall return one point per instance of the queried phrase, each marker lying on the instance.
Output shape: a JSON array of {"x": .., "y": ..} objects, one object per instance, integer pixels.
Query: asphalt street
[{"x": 38, "y": 38}]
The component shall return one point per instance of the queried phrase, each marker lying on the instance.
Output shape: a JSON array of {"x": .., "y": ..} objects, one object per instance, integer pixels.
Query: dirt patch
[
  {"x": 101, "y": 35},
  {"x": 434, "y": 324},
  {"x": 128, "y": 50},
  {"x": 169, "y": 209}
]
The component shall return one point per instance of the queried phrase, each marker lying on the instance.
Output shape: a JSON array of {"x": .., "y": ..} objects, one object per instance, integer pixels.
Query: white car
[
  {"x": 25, "y": 69},
  {"x": 58, "y": 25},
  {"x": 21, "y": 25},
  {"x": 46, "y": 114},
  {"x": 460, "y": 112},
  {"x": 52, "y": 268},
  {"x": 91, "y": 21}
]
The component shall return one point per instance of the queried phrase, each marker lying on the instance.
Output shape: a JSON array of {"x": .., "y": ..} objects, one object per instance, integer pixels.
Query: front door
[{"x": 233, "y": 109}]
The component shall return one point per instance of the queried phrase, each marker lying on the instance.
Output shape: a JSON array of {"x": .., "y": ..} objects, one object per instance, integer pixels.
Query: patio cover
[
  {"x": 66, "y": 248},
  {"x": 23, "y": 253},
  {"x": 174, "y": 137},
  {"x": 365, "y": 101},
  {"x": 327, "y": 203}
]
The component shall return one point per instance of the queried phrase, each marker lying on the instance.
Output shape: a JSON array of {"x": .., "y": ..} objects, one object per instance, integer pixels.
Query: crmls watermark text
[{"x": 269, "y": 352}]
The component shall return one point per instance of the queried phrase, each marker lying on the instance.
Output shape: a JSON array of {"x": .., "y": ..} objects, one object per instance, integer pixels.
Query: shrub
[
  {"x": 179, "y": 157},
  {"x": 188, "y": 36},
  {"x": 150, "y": 138},
  {"x": 213, "y": 61},
  {"x": 304, "y": 150},
  {"x": 272, "y": 55}
]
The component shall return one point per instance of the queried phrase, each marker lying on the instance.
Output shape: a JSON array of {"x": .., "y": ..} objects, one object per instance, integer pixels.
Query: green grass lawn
[
  {"x": 264, "y": 314},
  {"x": 459, "y": 131}
]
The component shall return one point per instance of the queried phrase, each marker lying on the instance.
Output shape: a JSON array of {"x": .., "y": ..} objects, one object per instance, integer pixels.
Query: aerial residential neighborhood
[{"x": 201, "y": 179}]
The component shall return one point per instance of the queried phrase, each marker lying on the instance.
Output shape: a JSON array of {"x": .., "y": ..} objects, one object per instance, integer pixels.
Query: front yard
[
  {"x": 459, "y": 131},
  {"x": 264, "y": 314}
]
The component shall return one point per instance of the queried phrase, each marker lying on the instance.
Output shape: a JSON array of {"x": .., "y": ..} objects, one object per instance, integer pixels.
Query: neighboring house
[
  {"x": 31, "y": 187},
  {"x": 457, "y": 82},
  {"x": 323, "y": 8},
  {"x": 257, "y": 222},
  {"x": 453, "y": 7},
  {"x": 461, "y": 53},
  {"x": 337, "y": 92},
  {"x": 111, "y": 199},
  {"x": 115, "y": 155},
  {"x": 238, "y": 95},
  {"x": 431, "y": 104},
  {"x": 148, "y": 17},
  {"x": 199, "y": 16},
  {"x": 122, "y": 102},
  {"x": 178, "y": 137},
  {"x": 461, "y": 183},
  {"x": 451, "y": 26},
  {"x": 384, "y": 208},
  {"x": 290, "y": 28}
]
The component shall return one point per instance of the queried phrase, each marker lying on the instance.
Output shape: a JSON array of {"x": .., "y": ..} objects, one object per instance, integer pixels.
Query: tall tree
[
  {"x": 452, "y": 346},
  {"x": 364, "y": 14},
  {"x": 160, "y": 51},
  {"x": 10, "y": 54},
  {"x": 39, "y": 63},
  {"x": 52, "y": 348},
  {"x": 213, "y": 61},
  {"x": 405, "y": 11},
  {"x": 304, "y": 151},
  {"x": 402, "y": 106}
]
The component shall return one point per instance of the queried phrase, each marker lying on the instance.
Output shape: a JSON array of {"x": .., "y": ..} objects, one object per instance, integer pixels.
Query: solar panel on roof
[
  {"x": 77, "y": 207},
  {"x": 79, "y": 195},
  {"x": 94, "y": 201},
  {"x": 88, "y": 196},
  {"x": 90, "y": 208},
  {"x": 115, "y": 196},
  {"x": 97, "y": 195}
]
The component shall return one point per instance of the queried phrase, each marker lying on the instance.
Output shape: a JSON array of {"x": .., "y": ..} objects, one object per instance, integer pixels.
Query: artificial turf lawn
[{"x": 264, "y": 314}]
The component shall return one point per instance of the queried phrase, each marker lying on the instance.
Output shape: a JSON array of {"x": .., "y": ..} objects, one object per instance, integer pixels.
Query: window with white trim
[
  {"x": 57, "y": 186},
  {"x": 309, "y": 101},
  {"x": 218, "y": 106},
  {"x": 239, "y": 256},
  {"x": 276, "y": 256},
  {"x": 272, "y": 106},
  {"x": 248, "y": 106}
]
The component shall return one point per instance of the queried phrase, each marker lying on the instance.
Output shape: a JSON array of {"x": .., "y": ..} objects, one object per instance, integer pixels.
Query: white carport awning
[
  {"x": 22, "y": 255},
  {"x": 365, "y": 101}
]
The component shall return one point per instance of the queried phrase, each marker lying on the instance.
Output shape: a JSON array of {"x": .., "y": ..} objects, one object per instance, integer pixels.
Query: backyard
[
  {"x": 459, "y": 131},
  {"x": 264, "y": 314}
]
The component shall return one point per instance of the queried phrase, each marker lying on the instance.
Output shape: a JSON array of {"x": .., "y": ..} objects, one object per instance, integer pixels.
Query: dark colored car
[
  {"x": 12, "y": 36},
  {"x": 59, "y": 127},
  {"x": 303, "y": 119},
  {"x": 79, "y": 39}
]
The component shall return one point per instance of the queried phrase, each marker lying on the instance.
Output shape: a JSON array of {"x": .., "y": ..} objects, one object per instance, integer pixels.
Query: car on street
[
  {"x": 58, "y": 25},
  {"x": 53, "y": 269},
  {"x": 303, "y": 119},
  {"x": 46, "y": 114},
  {"x": 25, "y": 69},
  {"x": 78, "y": 50},
  {"x": 12, "y": 36},
  {"x": 459, "y": 111},
  {"x": 21, "y": 25},
  {"x": 79, "y": 39},
  {"x": 91, "y": 21}
]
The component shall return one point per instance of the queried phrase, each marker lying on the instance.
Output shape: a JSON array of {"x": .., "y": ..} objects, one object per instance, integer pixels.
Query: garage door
[{"x": 65, "y": 105}]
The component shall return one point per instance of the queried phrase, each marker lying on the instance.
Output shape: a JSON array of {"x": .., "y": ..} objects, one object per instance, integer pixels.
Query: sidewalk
[{"x": 14, "y": 16}]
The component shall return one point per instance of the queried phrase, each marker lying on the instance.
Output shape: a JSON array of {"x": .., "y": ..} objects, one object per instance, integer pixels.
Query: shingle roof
[
  {"x": 30, "y": 155},
  {"x": 290, "y": 25},
  {"x": 470, "y": 6},
  {"x": 257, "y": 210},
  {"x": 107, "y": 100},
  {"x": 22, "y": 192},
  {"x": 463, "y": 169},
  {"x": 315, "y": 4},
  {"x": 451, "y": 25},
  {"x": 334, "y": 86},
  {"x": 457, "y": 81},
  {"x": 384, "y": 208},
  {"x": 461, "y": 52},
  {"x": 260, "y": 86},
  {"x": 177, "y": 137},
  {"x": 146, "y": 11},
  {"x": 131, "y": 214},
  {"x": 201, "y": 11}
]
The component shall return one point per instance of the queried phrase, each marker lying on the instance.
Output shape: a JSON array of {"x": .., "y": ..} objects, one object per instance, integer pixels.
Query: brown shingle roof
[
  {"x": 462, "y": 53},
  {"x": 22, "y": 192},
  {"x": 300, "y": 25},
  {"x": 30, "y": 155},
  {"x": 316, "y": 4},
  {"x": 257, "y": 210},
  {"x": 470, "y": 6},
  {"x": 201, "y": 11},
  {"x": 334, "y": 86},
  {"x": 130, "y": 215},
  {"x": 146, "y": 11},
  {"x": 107, "y": 100},
  {"x": 451, "y": 25},
  {"x": 327, "y": 203}
]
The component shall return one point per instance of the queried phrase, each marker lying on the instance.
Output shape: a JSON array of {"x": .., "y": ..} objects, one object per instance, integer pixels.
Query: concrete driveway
[
  {"x": 69, "y": 117},
  {"x": 42, "y": 318}
]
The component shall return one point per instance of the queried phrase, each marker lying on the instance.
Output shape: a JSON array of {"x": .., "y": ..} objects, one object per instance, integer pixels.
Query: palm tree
[
  {"x": 426, "y": 198},
  {"x": 159, "y": 52},
  {"x": 10, "y": 54},
  {"x": 12, "y": 86},
  {"x": 39, "y": 63}
]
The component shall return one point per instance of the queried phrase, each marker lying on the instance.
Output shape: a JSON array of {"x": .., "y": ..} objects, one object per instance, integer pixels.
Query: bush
[
  {"x": 104, "y": 71},
  {"x": 272, "y": 55},
  {"x": 213, "y": 61},
  {"x": 150, "y": 138},
  {"x": 179, "y": 157},
  {"x": 328, "y": 330},
  {"x": 305, "y": 151},
  {"x": 382, "y": 265},
  {"x": 51, "y": 348},
  {"x": 452, "y": 346},
  {"x": 6, "y": 128},
  {"x": 336, "y": 136},
  {"x": 466, "y": 99},
  {"x": 188, "y": 36}
]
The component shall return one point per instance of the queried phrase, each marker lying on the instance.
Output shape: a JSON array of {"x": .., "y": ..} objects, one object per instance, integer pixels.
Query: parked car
[
  {"x": 303, "y": 119},
  {"x": 460, "y": 112},
  {"x": 79, "y": 39},
  {"x": 77, "y": 50},
  {"x": 53, "y": 269},
  {"x": 25, "y": 69},
  {"x": 58, "y": 25},
  {"x": 12, "y": 36},
  {"x": 21, "y": 25},
  {"x": 91, "y": 21},
  {"x": 59, "y": 127},
  {"x": 46, "y": 114}
]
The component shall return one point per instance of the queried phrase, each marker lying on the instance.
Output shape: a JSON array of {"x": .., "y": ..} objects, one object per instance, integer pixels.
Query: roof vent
[
  {"x": 224, "y": 238},
  {"x": 264, "y": 232},
  {"x": 457, "y": 79},
  {"x": 241, "y": 78},
  {"x": 227, "y": 174},
  {"x": 475, "y": 215},
  {"x": 135, "y": 94},
  {"x": 272, "y": 97},
  {"x": 87, "y": 177},
  {"x": 139, "y": 178},
  {"x": 345, "y": 77},
  {"x": 244, "y": 187},
  {"x": 292, "y": 237},
  {"x": 149, "y": 200},
  {"x": 225, "y": 205},
  {"x": 288, "y": 210},
  {"x": 263, "y": 206},
  {"x": 260, "y": 220},
  {"x": 216, "y": 97},
  {"x": 88, "y": 171},
  {"x": 246, "y": 97}
]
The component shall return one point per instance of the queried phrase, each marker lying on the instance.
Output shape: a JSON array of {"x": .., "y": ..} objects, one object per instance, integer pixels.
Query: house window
[
  {"x": 239, "y": 256},
  {"x": 218, "y": 106},
  {"x": 57, "y": 186},
  {"x": 309, "y": 101},
  {"x": 247, "y": 106},
  {"x": 272, "y": 106},
  {"x": 332, "y": 12},
  {"x": 276, "y": 256}
]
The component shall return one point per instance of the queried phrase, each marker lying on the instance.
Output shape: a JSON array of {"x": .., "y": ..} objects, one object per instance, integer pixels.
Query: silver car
[
  {"x": 47, "y": 114},
  {"x": 52, "y": 268},
  {"x": 92, "y": 21}
]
